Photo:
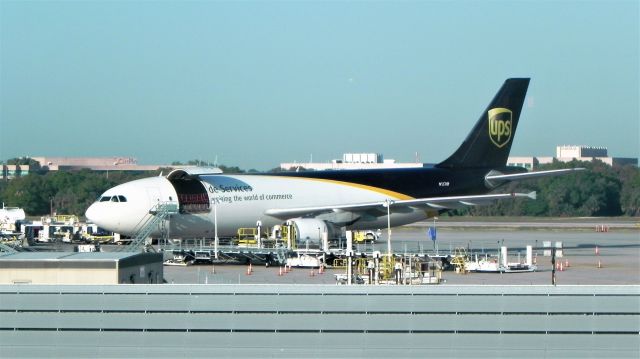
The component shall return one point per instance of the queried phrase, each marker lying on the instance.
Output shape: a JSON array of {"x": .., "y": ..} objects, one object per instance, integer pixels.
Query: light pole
[
  {"x": 259, "y": 236},
  {"x": 435, "y": 243},
  {"x": 388, "y": 203},
  {"x": 215, "y": 227}
]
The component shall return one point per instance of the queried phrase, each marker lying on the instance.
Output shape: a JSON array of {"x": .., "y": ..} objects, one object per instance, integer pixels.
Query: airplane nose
[{"x": 91, "y": 213}]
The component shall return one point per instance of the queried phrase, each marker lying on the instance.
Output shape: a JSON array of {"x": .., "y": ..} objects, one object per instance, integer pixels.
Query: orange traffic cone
[
  {"x": 249, "y": 269},
  {"x": 280, "y": 271}
]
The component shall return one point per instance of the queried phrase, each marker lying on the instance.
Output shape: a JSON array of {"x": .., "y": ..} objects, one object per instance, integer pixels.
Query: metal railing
[{"x": 149, "y": 223}]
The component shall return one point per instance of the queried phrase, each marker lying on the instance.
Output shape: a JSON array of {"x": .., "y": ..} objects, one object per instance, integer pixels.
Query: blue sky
[{"x": 254, "y": 84}]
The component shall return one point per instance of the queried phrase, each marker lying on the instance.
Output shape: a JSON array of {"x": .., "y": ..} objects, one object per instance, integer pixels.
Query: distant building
[
  {"x": 94, "y": 163},
  {"x": 571, "y": 151},
  {"x": 78, "y": 163},
  {"x": 351, "y": 161},
  {"x": 526, "y": 162},
  {"x": 362, "y": 158},
  {"x": 566, "y": 153},
  {"x": 13, "y": 171}
]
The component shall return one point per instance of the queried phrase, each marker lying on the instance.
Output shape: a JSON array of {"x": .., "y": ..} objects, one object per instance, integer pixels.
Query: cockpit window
[{"x": 118, "y": 198}]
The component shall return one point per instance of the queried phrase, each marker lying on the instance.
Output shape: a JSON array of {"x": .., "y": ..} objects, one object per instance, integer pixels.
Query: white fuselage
[{"x": 236, "y": 201}]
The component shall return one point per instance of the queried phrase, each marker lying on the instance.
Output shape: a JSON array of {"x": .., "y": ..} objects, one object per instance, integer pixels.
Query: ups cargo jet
[{"x": 209, "y": 201}]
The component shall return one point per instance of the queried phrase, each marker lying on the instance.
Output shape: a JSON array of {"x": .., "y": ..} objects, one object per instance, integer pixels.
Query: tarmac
[{"x": 616, "y": 262}]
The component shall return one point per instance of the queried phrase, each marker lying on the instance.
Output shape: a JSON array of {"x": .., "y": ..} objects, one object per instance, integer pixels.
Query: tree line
[{"x": 601, "y": 190}]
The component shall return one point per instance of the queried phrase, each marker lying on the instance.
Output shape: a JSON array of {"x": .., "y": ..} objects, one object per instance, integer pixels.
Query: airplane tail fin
[{"x": 489, "y": 142}]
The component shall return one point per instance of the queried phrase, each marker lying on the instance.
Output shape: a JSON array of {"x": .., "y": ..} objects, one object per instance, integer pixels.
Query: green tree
[
  {"x": 594, "y": 192},
  {"x": 24, "y": 161},
  {"x": 65, "y": 192},
  {"x": 630, "y": 192},
  {"x": 32, "y": 193}
]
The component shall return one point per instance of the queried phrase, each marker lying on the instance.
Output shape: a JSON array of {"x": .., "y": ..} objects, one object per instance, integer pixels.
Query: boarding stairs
[
  {"x": 157, "y": 214},
  {"x": 281, "y": 255},
  {"x": 5, "y": 249}
]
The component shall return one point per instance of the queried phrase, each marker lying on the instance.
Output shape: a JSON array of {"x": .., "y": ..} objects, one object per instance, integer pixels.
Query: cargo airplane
[{"x": 209, "y": 201}]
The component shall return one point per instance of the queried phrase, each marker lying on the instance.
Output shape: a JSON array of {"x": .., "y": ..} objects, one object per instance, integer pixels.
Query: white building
[
  {"x": 568, "y": 153},
  {"x": 352, "y": 161},
  {"x": 107, "y": 164},
  {"x": 94, "y": 163},
  {"x": 571, "y": 151}
]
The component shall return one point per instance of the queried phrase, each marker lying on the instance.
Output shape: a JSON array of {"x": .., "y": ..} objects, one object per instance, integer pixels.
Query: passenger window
[
  {"x": 122, "y": 198},
  {"x": 105, "y": 198},
  {"x": 114, "y": 199}
]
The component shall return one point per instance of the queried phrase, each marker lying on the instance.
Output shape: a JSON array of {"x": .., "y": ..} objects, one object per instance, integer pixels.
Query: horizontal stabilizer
[
  {"x": 527, "y": 175},
  {"x": 494, "y": 178}
]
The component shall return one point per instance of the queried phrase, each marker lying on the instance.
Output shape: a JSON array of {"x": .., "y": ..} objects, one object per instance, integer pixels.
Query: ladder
[{"x": 157, "y": 214}]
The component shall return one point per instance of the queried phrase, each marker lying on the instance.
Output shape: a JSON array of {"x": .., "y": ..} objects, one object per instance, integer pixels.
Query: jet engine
[{"x": 311, "y": 230}]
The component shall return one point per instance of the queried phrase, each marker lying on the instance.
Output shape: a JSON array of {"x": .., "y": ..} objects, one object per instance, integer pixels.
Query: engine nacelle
[{"x": 311, "y": 230}]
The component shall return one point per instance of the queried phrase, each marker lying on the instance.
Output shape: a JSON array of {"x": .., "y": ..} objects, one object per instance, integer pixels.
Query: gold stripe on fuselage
[{"x": 386, "y": 192}]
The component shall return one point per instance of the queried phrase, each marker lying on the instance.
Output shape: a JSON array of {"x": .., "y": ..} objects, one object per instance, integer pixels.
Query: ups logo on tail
[{"x": 500, "y": 126}]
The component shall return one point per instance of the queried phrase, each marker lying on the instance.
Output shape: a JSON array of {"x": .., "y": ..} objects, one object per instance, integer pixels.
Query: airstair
[
  {"x": 156, "y": 217},
  {"x": 5, "y": 249},
  {"x": 281, "y": 255}
]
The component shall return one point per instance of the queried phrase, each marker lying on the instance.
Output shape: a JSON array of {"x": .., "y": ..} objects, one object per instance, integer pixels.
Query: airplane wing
[{"x": 379, "y": 208}]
